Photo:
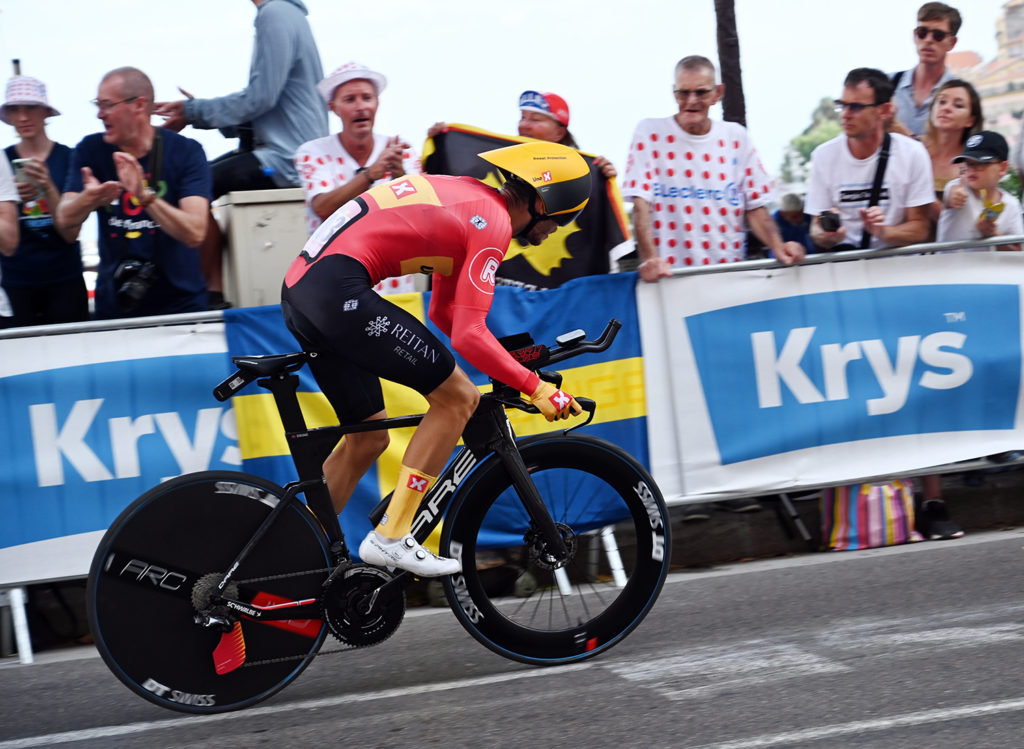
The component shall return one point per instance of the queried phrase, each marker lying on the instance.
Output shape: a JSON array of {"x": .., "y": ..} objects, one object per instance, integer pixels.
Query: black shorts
[{"x": 358, "y": 337}]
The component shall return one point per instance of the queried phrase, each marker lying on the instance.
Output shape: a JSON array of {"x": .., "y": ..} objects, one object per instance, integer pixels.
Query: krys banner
[
  {"x": 91, "y": 420},
  {"x": 838, "y": 372}
]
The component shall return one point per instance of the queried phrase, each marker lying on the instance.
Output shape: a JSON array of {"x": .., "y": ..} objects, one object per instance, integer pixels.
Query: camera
[
  {"x": 829, "y": 220},
  {"x": 133, "y": 279}
]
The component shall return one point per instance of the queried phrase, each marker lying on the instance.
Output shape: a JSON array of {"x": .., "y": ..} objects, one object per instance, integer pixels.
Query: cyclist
[{"x": 457, "y": 229}]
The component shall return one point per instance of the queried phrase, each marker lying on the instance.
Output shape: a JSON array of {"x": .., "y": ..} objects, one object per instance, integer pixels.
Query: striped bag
[{"x": 866, "y": 516}]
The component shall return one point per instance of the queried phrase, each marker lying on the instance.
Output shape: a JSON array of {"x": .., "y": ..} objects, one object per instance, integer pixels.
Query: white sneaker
[{"x": 405, "y": 553}]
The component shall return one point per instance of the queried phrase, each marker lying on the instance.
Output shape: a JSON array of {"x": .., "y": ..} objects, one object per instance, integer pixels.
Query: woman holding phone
[{"x": 43, "y": 278}]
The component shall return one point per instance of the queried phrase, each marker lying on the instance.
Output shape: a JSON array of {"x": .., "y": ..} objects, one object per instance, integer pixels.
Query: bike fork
[{"x": 505, "y": 448}]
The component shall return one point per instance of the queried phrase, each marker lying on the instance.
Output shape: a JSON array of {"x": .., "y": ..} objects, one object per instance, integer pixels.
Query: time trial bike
[{"x": 214, "y": 590}]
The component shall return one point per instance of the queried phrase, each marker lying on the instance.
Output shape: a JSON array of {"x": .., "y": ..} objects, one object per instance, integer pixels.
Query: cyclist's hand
[{"x": 553, "y": 403}]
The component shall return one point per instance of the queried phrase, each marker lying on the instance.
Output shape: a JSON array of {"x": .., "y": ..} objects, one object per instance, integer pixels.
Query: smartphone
[
  {"x": 19, "y": 170},
  {"x": 20, "y": 176}
]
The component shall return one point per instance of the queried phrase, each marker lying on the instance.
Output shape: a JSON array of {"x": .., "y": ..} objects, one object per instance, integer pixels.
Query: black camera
[
  {"x": 829, "y": 220},
  {"x": 133, "y": 279}
]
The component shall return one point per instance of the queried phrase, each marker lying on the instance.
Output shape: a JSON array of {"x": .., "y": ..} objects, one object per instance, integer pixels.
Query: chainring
[{"x": 354, "y": 615}]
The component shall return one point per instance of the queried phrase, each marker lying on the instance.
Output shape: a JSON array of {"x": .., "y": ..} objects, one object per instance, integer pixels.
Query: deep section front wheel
[
  {"x": 156, "y": 560},
  {"x": 514, "y": 595}
]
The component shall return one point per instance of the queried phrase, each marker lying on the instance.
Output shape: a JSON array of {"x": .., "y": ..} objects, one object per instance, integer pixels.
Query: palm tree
[{"x": 733, "y": 106}]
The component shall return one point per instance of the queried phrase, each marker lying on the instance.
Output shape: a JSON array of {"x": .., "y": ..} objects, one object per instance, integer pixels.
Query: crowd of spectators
[{"x": 911, "y": 161}]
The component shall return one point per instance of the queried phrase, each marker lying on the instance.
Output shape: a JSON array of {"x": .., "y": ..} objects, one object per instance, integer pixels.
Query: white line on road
[
  {"x": 102, "y": 732},
  {"x": 863, "y": 726}
]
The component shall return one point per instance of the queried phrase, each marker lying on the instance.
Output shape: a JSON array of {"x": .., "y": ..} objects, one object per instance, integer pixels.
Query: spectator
[
  {"x": 8, "y": 230},
  {"x": 973, "y": 205},
  {"x": 794, "y": 225},
  {"x": 43, "y": 278},
  {"x": 150, "y": 189},
  {"x": 683, "y": 167},
  {"x": 843, "y": 171},
  {"x": 546, "y": 117},
  {"x": 955, "y": 116},
  {"x": 335, "y": 169},
  {"x": 935, "y": 37},
  {"x": 277, "y": 112}
]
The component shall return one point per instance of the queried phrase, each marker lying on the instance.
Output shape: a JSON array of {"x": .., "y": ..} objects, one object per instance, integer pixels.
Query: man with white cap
[
  {"x": 335, "y": 169},
  {"x": 43, "y": 278}
]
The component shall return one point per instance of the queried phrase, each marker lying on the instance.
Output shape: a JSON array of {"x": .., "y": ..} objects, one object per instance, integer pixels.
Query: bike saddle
[{"x": 271, "y": 364}]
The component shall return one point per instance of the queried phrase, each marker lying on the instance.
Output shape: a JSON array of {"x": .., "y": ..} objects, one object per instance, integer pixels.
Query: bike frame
[{"x": 488, "y": 431}]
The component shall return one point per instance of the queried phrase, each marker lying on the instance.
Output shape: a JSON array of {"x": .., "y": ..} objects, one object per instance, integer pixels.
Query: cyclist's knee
[
  {"x": 457, "y": 395},
  {"x": 370, "y": 445}
]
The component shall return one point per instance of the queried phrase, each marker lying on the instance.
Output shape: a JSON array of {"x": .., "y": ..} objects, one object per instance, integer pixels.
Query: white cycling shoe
[{"x": 406, "y": 554}]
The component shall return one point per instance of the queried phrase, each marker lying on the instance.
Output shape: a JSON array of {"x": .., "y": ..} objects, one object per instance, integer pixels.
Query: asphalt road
[{"x": 902, "y": 647}]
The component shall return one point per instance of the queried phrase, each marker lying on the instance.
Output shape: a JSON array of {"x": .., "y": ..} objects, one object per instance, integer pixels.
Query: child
[{"x": 973, "y": 206}]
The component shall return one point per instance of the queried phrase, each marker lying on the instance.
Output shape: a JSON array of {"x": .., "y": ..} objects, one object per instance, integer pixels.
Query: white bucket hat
[
  {"x": 25, "y": 90},
  {"x": 350, "y": 71}
]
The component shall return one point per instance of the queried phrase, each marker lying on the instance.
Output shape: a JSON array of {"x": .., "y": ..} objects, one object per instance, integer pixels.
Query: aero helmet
[{"x": 558, "y": 173}]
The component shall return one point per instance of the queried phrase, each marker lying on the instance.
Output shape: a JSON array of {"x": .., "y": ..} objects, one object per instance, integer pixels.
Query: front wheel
[
  {"x": 174, "y": 542},
  {"x": 513, "y": 596}
]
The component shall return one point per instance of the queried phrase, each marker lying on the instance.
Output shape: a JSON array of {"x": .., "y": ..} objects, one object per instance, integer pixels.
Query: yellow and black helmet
[{"x": 558, "y": 173}]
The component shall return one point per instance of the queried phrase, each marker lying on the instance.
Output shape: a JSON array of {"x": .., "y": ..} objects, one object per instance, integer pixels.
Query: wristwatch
[{"x": 365, "y": 170}]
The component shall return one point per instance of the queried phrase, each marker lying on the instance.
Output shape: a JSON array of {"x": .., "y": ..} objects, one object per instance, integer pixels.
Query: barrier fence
[{"x": 747, "y": 378}]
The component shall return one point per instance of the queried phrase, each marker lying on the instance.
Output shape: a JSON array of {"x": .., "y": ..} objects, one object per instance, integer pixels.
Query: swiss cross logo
[
  {"x": 403, "y": 188},
  {"x": 418, "y": 483},
  {"x": 546, "y": 176},
  {"x": 560, "y": 399}
]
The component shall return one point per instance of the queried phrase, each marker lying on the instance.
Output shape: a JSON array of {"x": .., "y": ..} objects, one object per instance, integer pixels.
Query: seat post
[{"x": 307, "y": 458}]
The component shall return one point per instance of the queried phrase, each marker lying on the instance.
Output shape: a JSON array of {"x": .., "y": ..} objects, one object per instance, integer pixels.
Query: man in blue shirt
[
  {"x": 794, "y": 225},
  {"x": 150, "y": 190},
  {"x": 934, "y": 37}
]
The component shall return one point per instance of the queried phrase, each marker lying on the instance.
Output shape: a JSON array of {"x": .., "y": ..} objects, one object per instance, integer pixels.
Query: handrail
[
  {"x": 832, "y": 257},
  {"x": 153, "y": 321}
]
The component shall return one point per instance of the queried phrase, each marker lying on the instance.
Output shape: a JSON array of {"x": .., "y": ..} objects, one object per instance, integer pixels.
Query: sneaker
[
  {"x": 406, "y": 554},
  {"x": 749, "y": 504},
  {"x": 695, "y": 513},
  {"x": 934, "y": 522}
]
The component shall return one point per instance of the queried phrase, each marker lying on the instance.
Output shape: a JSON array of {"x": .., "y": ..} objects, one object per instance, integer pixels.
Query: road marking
[
  {"x": 103, "y": 732},
  {"x": 863, "y": 726},
  {"x": 704, "y": 673}
]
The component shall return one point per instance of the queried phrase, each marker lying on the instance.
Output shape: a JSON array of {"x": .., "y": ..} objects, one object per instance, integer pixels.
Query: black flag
[{"x": 579, "y": 249}]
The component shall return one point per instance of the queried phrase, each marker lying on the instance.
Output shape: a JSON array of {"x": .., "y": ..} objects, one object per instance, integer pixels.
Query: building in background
[{"x": 1000, "y": 81}]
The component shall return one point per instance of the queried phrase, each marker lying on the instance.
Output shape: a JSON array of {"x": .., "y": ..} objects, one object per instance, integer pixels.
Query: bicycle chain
[{"x": 284, "y": 658}]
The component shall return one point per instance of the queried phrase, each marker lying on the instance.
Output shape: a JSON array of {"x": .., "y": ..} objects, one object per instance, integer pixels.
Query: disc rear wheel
[{"x": 155, "y": 570}]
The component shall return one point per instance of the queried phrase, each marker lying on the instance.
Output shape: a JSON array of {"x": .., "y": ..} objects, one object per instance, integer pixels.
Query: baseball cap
[
  {"x": 350, "y": 71},
  {"x": 25, "y": 90},
  {"x": 985, "y": 147},
  {"x": 552, "y": 105}
]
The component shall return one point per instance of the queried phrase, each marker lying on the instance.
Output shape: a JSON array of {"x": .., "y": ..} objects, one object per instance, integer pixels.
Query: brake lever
[{"x": 590, "y": 407}]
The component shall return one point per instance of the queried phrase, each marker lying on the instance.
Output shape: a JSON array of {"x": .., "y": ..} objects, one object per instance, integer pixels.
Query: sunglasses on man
[{"x": 937, "y": 34}]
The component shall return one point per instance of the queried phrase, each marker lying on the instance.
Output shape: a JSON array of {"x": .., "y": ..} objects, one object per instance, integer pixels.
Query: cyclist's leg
[
  {"x": 352, "y": 458},
  {"x": 450, "y": 405}
]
